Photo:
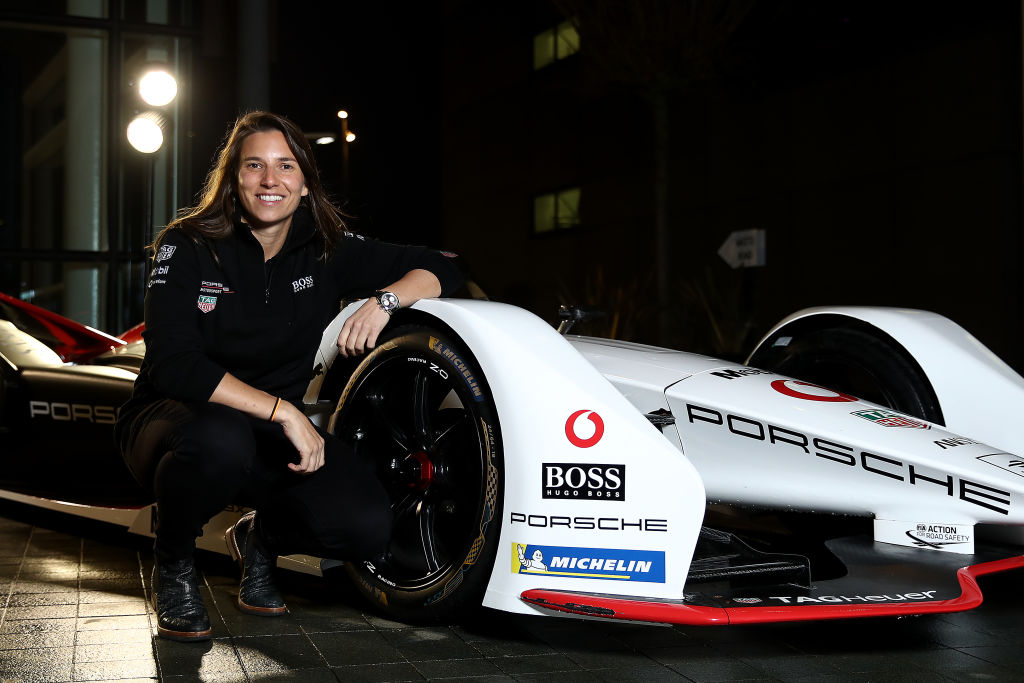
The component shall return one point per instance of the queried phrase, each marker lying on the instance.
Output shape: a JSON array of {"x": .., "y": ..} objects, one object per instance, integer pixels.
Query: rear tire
[
  {"x": 419, "y": 409},
  {"x": 863, "y": 362}
]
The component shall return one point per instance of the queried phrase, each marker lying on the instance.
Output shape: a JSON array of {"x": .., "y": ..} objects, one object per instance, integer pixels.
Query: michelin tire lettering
[{"x": 440, "y": 348}]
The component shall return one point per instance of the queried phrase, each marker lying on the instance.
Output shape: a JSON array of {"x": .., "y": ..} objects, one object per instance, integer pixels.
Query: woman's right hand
[
  {"x": 236, "y": 394},
  {"x": 303, "y": 435}
]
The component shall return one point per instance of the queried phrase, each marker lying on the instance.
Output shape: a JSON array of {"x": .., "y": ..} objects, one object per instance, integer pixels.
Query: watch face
[{"x": 388, "y": 301}]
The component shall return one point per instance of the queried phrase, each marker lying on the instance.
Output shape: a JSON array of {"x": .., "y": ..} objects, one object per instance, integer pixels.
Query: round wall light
[
  {"x": 157, "y": 88},
  {"x": 145, "y": 133}
]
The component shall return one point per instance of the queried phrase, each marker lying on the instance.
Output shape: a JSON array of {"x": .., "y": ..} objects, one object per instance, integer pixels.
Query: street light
[{"x": 347, "y": 137}]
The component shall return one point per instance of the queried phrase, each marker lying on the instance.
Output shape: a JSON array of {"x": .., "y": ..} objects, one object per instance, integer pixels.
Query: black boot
[
  {"x": 180, "y": 613},
  {"x": 257, "y": 593}
]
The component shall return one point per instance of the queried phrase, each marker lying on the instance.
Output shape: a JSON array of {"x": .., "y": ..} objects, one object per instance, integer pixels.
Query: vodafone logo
[
  {"x": 589, "y": 439},
  {"x": 810, "y": 392}
]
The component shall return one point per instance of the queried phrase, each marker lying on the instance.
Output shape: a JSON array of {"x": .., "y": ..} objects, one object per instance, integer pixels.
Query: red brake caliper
[{"x": 426, "y": 471}]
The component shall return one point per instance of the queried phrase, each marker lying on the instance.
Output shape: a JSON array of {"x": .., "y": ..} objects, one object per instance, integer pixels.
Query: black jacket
[{"x": 262, "y": 322}]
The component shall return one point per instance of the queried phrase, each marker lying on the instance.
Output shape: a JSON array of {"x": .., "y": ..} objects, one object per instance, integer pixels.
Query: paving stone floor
[{"x": 74, "y": 609}]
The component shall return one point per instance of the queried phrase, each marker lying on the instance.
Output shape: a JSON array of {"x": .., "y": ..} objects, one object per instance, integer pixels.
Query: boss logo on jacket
[{"x": 302, "y": 283}]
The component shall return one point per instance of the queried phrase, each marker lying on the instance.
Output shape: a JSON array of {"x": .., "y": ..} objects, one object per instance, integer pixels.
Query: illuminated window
[
  {"x": 556, "y": 211},
  {"x": 554, "y": 44}
]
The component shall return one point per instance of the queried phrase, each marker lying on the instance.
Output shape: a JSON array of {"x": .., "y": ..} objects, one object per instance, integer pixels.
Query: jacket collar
[{"x": 300, "y": 232}]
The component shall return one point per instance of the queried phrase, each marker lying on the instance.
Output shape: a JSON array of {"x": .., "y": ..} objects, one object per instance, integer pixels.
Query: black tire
[
  {"x": 860, "y": 361},
  {"x": 419, "y": 408}
]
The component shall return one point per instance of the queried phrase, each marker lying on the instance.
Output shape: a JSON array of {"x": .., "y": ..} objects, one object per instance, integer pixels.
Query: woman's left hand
[{"x": 359, "y": 333}]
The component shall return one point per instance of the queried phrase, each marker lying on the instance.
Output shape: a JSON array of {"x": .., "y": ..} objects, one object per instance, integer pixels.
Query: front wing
[{"x": 882, "y": 580}]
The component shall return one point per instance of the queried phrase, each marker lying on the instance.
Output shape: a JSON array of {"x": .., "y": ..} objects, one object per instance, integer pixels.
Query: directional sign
[{"x": 744, "y": 248}]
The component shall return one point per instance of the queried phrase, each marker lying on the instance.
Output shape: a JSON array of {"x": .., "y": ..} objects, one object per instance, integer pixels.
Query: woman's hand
[
  {"x": 359, "y": 333},
  {"x": 305, "y": 438},
  {"x": 236, "y": 394}
]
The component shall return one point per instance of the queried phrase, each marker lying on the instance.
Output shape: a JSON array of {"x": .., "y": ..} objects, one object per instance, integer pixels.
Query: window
[
  {"x": 554, "y": 44},
  {"x": 556, "y": 211},
  {"x": 77, "y": 204}
]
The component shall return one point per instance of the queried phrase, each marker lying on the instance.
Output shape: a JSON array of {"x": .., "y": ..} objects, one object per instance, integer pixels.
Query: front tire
[{"x": 418, "y": 407}]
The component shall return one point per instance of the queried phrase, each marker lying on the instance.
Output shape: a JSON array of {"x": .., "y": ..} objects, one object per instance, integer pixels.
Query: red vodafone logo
[
  {"x": 574, "y": 438},
  {"x": 793, "y": 387}
]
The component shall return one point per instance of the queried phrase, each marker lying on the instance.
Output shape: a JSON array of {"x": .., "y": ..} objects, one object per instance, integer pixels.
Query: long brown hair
[{"x": 213, "y": 216}]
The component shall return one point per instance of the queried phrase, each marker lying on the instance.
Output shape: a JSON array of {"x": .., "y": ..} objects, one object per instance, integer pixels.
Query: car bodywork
[{"x": 647, "y": 484}]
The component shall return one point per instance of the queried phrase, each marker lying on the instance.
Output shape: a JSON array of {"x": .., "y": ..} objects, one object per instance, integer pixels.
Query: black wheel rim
[{"x": 421, "y": 429}]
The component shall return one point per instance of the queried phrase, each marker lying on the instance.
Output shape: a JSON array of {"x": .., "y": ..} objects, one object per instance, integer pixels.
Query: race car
[{"x": 862, "y": 462}]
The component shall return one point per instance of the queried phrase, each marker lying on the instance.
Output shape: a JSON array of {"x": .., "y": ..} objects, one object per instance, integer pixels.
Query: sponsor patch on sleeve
[{"x": 165, "y": 253}]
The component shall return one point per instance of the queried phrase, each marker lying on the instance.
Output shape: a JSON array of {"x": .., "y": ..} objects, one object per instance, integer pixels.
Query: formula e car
[{"x": 862, "y": 462}]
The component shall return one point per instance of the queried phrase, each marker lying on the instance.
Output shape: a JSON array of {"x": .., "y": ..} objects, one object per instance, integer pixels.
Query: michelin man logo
[{"x": 535, "y": 562}]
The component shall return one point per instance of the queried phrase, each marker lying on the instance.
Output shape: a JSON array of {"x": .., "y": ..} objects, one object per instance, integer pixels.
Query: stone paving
[{"x": 75, "y": 609}]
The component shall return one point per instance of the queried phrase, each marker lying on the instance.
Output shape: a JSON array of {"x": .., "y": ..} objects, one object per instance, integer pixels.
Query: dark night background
[{"x": 878, "y": 144}]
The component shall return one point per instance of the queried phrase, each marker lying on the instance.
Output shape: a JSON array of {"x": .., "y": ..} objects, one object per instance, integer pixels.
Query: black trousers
[{"x": 196, "y": 458}]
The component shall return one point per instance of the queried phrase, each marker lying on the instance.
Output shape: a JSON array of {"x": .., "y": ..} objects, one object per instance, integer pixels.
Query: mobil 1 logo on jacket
[{"x": 583, "y": 481}]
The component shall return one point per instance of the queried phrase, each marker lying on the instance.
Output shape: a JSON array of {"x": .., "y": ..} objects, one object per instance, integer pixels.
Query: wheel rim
[{"x": 421, "y": 429}]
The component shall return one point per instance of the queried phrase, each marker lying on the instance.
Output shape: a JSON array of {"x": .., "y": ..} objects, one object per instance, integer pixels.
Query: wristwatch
[{"x": 388, "y": 301}]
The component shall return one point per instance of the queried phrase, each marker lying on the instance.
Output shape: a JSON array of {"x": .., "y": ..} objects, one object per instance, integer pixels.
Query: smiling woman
[
  {"x": 241, "y": 289},
  {"x": 270, "y": 185}
]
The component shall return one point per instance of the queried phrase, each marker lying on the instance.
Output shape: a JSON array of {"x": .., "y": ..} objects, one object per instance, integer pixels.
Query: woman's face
[{"x": 270, "y": 183}]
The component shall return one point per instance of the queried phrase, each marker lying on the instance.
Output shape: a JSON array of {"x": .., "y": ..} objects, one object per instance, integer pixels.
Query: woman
[{"x": 240, "y": 291}]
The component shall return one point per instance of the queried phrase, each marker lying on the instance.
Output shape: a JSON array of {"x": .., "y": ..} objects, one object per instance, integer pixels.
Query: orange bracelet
[{"x": 274, "y": 411}]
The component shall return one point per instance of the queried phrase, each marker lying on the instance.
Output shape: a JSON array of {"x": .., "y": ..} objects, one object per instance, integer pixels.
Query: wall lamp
[{"x": 157, "y": 88}]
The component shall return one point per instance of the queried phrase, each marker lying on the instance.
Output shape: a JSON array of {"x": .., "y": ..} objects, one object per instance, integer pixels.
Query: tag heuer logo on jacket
[{"x": 207, "y": 303}]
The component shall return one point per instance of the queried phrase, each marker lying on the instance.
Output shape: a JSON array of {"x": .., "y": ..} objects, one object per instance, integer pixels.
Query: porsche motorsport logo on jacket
[{"x": 589, "y": 563}]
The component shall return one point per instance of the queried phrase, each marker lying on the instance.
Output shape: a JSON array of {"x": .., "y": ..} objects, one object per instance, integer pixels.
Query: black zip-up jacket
[{"x": 262, "y": 322}]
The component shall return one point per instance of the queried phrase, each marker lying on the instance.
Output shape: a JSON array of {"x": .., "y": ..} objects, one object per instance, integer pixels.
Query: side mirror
[{"x": 572, "y": 314}]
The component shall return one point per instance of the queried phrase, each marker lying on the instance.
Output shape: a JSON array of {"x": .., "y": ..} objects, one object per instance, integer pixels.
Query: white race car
[{"x": 535, "y": 472}]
